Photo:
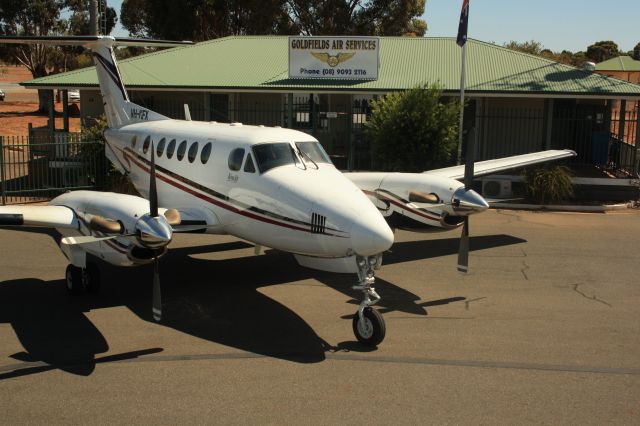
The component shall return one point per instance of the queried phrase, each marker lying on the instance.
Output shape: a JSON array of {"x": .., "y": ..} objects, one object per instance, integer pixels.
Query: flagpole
[{"x": 462, "y": 75}]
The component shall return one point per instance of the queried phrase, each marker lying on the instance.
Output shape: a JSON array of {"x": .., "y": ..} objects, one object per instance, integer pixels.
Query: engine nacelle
[{"x": 414, "y": 202}]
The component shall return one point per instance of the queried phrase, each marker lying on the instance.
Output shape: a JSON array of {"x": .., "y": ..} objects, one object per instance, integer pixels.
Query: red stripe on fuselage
[{"x": 218, "y": 203}]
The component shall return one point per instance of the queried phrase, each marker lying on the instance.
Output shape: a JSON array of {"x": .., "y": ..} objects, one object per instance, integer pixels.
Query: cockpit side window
[
  {"x": 235, "y": 159},
  {"x": 248, "y": 165},
  {"x": 270, "y": 155}
]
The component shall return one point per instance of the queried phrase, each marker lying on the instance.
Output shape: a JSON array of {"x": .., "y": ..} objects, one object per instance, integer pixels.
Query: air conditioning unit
[{"x": 495, "y": 187}]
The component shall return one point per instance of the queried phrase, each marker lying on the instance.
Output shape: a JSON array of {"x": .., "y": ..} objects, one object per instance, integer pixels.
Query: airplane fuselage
[{"x": 275, "y": 187}]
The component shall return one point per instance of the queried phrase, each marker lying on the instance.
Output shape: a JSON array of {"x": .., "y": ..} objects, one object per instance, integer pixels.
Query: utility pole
[{"x": 93, "y": 18}]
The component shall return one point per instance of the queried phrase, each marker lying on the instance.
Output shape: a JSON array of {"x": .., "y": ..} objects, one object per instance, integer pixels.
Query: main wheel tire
[
  {"x": 91, "y": 277},
  {"x": 73, "y": 278},
  {"x": 371, "y": 331}
]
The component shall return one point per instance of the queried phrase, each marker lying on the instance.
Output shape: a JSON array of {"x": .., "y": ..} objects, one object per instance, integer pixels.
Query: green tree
[
  {"x": 531, "y": 47},
  {"x": 636, "y": 52},
  {"x": 200, "y": 20},
  {"x": 358, "y": 17},
  {"x": 602, "y": 50},
  {"x": 414, "y": 130}
]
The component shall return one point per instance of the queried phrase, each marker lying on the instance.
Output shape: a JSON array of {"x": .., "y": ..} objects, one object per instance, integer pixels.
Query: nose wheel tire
[
  {"x": 369, "y": 329},
  {"x": 73, "y": 278}
]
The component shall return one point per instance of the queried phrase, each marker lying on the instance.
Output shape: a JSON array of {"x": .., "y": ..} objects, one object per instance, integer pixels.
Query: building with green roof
[{"x": 516, "y": 101}]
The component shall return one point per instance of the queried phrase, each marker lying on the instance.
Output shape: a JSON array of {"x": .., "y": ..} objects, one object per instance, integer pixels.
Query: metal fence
[{"x": 34, "y": 169}]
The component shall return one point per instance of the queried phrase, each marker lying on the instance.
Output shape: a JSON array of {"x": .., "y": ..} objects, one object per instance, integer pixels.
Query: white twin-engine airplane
[{"x": 272, "y": 186}]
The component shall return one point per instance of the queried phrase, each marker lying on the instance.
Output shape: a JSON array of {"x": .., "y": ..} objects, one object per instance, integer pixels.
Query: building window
[
  {"x": 182, "y": 148},
  {"x": 235, "y": 159},
  {"x": 171, "y": 148},
  {"x": 193, "y": 152},
  {"x": 206, "y": 153}
]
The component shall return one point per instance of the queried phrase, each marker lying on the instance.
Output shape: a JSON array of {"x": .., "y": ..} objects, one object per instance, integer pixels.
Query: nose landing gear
[{"x": 368, "y": 324}]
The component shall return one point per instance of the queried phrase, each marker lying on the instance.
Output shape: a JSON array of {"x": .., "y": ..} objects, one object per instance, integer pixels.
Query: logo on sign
[{"x": 332, "y": 61}]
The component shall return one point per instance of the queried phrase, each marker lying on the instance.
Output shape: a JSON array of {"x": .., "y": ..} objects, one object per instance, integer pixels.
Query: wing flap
[
  {"x": 489, "y": 167},
  {"x": 49, "y": 216}
]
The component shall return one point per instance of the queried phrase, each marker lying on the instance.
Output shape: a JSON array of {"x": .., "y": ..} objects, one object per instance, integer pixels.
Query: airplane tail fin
[{"x": 118, "y": 108}]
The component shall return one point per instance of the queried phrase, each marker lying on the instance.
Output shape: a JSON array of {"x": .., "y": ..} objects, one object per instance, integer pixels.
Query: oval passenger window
[{"x": 193, "y": 152}]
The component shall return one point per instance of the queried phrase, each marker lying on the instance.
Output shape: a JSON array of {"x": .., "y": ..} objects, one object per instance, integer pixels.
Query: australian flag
[{"x": 464, "y": 23}]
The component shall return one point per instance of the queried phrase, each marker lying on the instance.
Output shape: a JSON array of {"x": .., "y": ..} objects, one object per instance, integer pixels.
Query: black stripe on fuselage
[
  {"x": 9, "y": 219},
  {"x": 112, "y": 71}
]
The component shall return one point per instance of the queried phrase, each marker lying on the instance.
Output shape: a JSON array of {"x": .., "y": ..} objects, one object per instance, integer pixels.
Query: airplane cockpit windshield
[
  {"x": 271, "y": 155},
  {"x": 313, "y": 151}
]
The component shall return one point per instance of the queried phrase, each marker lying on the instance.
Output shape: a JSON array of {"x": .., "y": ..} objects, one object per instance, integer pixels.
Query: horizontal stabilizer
[{"x": 88, "y": 41}]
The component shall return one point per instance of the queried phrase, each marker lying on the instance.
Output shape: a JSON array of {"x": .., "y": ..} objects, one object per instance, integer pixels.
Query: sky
[{"x": 557, "y": 24}]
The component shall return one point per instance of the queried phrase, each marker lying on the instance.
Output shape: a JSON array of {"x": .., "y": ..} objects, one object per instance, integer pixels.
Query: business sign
[{"x": 351, "y": 58}]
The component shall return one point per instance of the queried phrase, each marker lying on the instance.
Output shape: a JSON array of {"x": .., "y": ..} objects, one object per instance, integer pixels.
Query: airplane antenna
[{"x": 187, "y": 113}]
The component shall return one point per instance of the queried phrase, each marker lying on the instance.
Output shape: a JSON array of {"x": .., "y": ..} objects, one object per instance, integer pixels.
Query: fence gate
[{"x": 39, "y": 168}]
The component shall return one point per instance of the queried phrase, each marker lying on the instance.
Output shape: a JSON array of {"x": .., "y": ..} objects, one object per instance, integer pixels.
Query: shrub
[
  {"x": 549, "y": 184},
  {"x": 414, "y": 130},
  {"x": 106, "y": 175}
]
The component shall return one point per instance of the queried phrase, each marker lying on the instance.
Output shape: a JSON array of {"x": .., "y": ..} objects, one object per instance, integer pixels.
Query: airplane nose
[
  {"x": 468, "y": 200},
  {"x": 369, "y": 239}
]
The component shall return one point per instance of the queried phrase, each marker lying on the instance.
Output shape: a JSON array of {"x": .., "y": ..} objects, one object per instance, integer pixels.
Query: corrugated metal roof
[
  {"x": 259, "y": 63},
  {"x": 620, "y": 63}
]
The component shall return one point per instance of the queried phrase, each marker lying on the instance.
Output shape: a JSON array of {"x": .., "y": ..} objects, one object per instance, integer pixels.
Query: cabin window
[
  {"x": 249, "y": 167},
  {"x": 182, "y": 148},
  {"x": 206, "y": 153},
  {"x": 160, "y": 148},
  {"x": 270, "y": 155},
  {"x": 171, "y": 148},
  {"x": 193, "y": 152},
  {"x": 235, "y": 159},
  {"x": 145, "y": 145},
  {"x": 134, "y": 140}
]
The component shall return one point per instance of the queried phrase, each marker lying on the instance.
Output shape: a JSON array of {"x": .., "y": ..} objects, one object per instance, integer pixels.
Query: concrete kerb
[{"x": 565, "y": 208}]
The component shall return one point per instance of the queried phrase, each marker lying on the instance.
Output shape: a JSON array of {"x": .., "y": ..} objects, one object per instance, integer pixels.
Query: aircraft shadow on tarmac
[{"x": 216, "y": 300}]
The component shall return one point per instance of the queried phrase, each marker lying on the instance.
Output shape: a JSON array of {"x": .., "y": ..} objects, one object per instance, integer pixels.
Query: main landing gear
[
  {"x": 82, "y": 279},
  {"x": 368, "y": 324}
]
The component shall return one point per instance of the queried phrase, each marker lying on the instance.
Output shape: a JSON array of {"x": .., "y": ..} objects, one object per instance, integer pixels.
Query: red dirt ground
[{"x": 21, "y": 105}]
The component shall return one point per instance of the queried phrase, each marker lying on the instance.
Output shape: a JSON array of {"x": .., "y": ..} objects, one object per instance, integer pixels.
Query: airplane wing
[
  {"x": 488, "y": 167},
  {"x": 50, "y": 216}
]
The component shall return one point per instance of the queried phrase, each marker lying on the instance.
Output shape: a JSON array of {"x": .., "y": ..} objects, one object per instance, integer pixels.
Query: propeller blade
[
  {"x": 84, "y": 239},
  {"x": 463, "y": 253},
  {"x": 153, "y": 193},
  {"x": 157, "y": 296}
]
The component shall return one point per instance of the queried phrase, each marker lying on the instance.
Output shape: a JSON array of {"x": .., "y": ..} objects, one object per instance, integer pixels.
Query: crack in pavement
[{"x": 594, "y": 297}]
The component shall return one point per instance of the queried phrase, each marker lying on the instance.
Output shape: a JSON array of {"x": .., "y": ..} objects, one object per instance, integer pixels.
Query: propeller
[
  {"x": 153, "y": 213},
  {"x": 463, "y": 252}
]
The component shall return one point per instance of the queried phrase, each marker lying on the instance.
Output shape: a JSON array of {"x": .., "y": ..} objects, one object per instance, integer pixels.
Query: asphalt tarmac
[{"x": 545, "y": 329}]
